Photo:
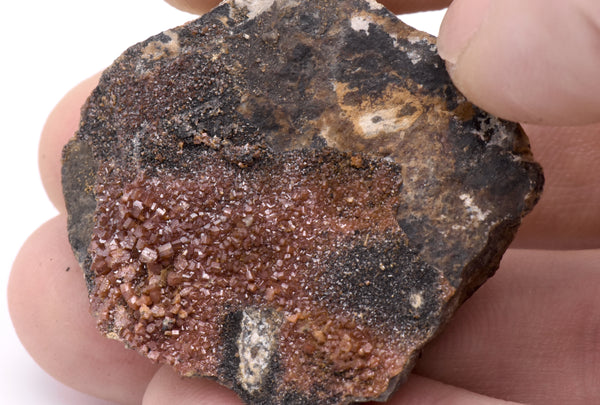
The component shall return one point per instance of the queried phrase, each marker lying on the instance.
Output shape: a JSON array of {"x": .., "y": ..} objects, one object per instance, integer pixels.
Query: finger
[
  {"x": 396, "y": 6},
  {"x": 49, "y": 309},
  {"x": 425, "y": 391},
  {"x": 194, "y": 6},
  {"x": 167, "y": 387},
  {"x": 529, "y": 61},
  {"x": 530, "y": 334},
  {"x": 568, "y": 214},
  {"x": 60, "y": 126},
  {"x": 412, "y": 6}
]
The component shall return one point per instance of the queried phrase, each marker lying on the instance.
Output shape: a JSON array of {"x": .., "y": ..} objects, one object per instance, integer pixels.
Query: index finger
[
  {"x": 395, "y": 6},
  {"x": 61, "y": 125}
]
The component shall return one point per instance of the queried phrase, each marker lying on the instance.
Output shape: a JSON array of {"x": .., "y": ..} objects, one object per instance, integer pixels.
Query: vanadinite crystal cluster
[{"x": 290, "y": 197}]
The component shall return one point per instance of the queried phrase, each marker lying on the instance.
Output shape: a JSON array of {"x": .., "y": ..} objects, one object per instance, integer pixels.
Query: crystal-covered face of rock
[
  {"x": 312, "y": 237},
  {"x": 290, "y": 197}
]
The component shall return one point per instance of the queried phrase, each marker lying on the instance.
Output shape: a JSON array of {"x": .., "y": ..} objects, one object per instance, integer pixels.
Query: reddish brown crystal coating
[
  {"x": 173, "y": 254},
  {"x": 289, "y": 197}
]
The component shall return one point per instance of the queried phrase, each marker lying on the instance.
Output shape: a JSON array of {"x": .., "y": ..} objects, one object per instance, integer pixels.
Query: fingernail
[{"x": 461, "y": 22}]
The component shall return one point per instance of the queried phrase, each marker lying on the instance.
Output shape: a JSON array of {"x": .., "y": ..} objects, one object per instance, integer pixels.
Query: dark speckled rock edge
[{"x": 289, "y": 197}]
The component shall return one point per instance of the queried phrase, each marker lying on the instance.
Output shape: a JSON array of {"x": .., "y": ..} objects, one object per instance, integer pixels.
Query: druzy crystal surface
[{"x": 290, "y": 197}]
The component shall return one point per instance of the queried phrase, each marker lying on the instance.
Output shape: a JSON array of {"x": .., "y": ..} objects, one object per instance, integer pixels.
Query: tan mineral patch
[
  {"x": 157, "y": 49},
  {"x": 384, "y": 119}
]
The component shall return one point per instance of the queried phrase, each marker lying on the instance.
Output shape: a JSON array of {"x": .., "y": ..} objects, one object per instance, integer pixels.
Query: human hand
[{"x": 531, "y": 334}]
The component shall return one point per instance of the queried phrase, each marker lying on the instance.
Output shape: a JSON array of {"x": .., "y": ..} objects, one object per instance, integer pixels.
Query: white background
[{"x": 47, "y": 47}]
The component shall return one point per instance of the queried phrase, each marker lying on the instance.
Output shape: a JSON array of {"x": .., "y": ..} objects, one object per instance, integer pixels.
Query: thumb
[
  {"x": 194, "y": 6},
  {"x": 535, "y": 61}
]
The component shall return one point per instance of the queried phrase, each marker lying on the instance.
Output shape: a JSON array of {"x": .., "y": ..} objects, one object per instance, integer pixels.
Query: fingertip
[
  {"x": 395, "y": 6},
  {"x": 168, "y": 387},
  {"x": 425, "y": 391},
  {"x": 460, "y": 24},
  {"x": 60, "y": 126},
  {"x": 194, "y": 6},
  {"x": 48, "y": 305},
  {"x": 567, "y": 216},
  {"x": 530, "y": 62},
  {"x": 413, "y": 6}
]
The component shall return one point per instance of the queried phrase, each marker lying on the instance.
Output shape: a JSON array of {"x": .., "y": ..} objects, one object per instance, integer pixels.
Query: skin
[{"x": 531, "y": 334}]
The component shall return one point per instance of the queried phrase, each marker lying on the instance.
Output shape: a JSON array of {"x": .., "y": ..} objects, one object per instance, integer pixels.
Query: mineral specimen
[{"x": 290, "y": 197}]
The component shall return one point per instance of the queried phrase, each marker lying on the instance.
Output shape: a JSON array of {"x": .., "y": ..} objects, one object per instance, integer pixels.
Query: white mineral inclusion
[
  {"x": 413, "y": 39},
  {"x": 474, "y": 210},
  {"x": 254, "y": 7},
  {"x": 416, "y": 300},
  {"x": 374, "y": 5},
  {"x": 385, "y": 121},
  {"x": 360, "y": 23},
  {"x": 256, "y": 345},
  {"x": 501, "y": 137},
  {"x": 414, "y": 56}
]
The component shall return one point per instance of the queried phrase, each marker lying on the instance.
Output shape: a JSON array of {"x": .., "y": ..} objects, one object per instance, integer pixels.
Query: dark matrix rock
[{"x": 289, "y": 197}]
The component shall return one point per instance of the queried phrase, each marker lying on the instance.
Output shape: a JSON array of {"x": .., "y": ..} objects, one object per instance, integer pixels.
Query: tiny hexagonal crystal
[{"x": 148, "y": 255}]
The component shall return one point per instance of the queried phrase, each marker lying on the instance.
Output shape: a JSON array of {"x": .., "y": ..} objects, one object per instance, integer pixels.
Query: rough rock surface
[{"x": 290, "y": 197}]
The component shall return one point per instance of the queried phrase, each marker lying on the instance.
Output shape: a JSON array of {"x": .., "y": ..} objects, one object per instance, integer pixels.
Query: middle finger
[{"x": 530, "y": 334}]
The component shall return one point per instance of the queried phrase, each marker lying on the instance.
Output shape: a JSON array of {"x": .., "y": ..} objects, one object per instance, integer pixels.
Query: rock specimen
[{"x": 290, "y": 197}]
